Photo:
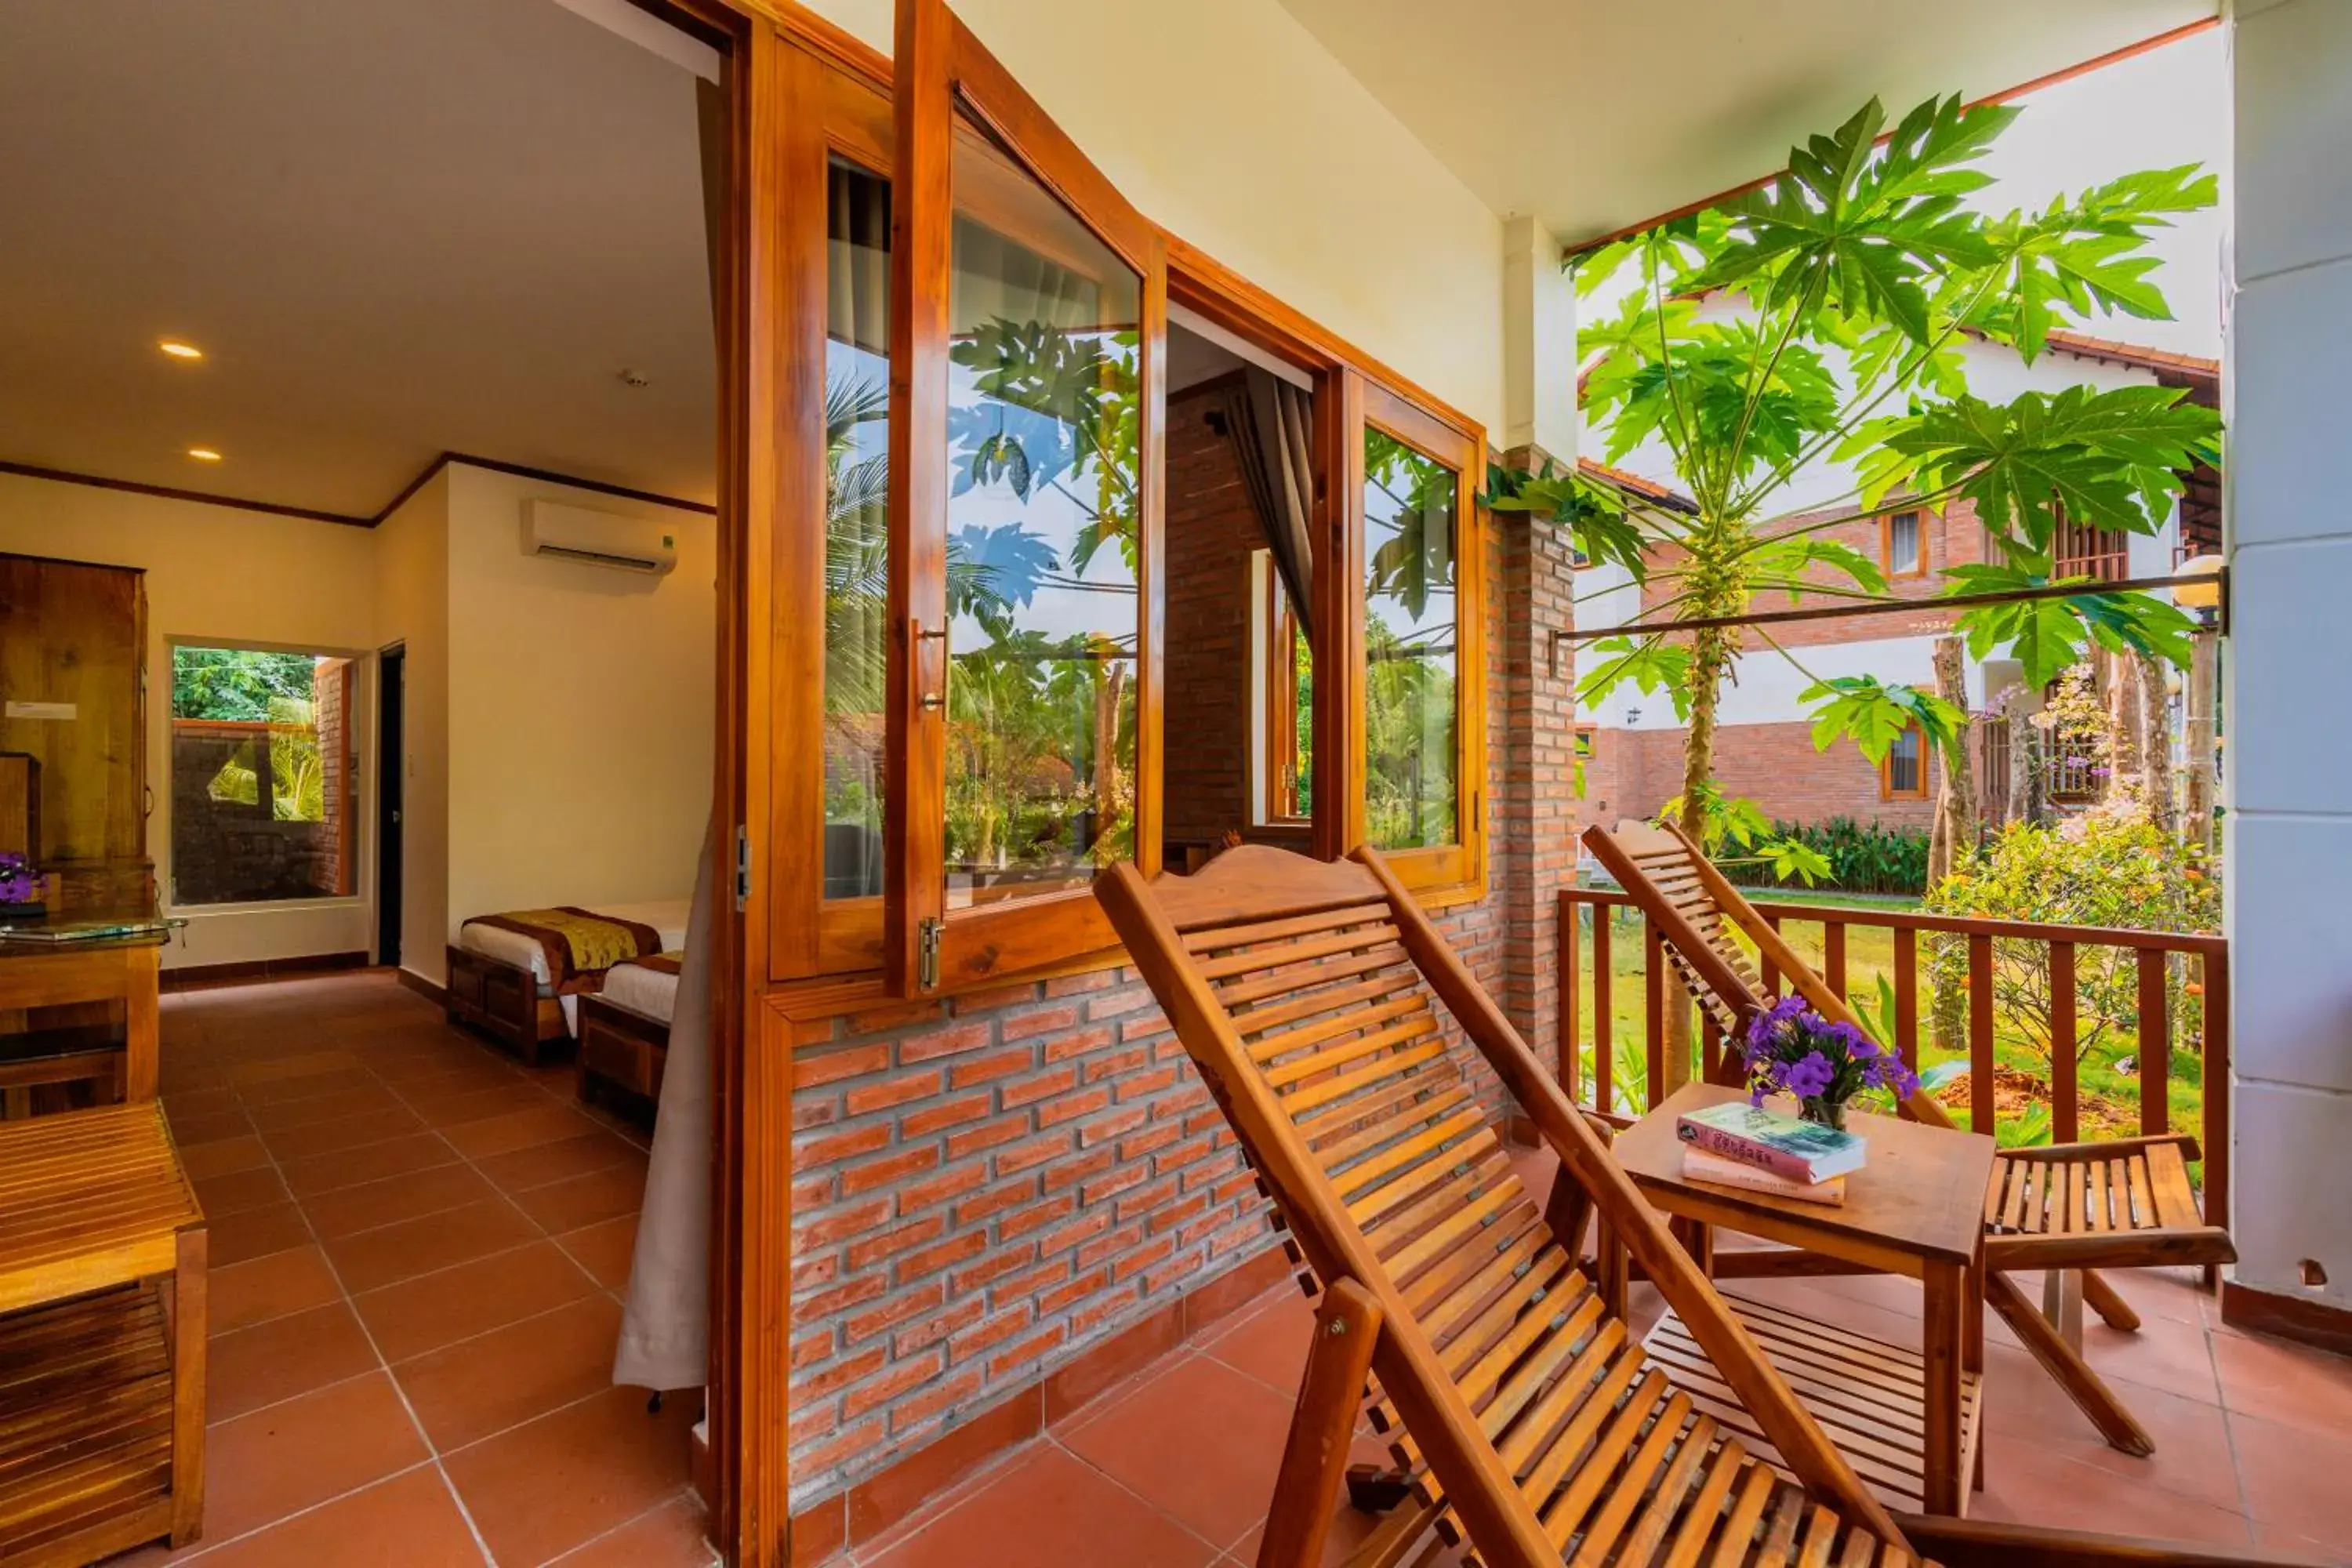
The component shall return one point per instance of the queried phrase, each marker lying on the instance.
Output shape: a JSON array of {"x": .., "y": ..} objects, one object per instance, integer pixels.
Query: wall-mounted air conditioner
[{"x": 598, "y": 538}]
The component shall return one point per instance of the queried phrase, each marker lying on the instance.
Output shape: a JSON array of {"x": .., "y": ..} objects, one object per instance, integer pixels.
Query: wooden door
[
  {"x": 72, "y": 695},
  {"x": 1028, "y": 328}
]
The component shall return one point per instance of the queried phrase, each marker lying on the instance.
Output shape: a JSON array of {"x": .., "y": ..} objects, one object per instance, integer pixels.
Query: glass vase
[{"x": 1829, "y": 1113}]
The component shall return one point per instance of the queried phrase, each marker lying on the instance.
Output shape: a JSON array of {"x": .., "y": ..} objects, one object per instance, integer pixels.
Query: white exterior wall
[{"x": 2290, "y": 753}]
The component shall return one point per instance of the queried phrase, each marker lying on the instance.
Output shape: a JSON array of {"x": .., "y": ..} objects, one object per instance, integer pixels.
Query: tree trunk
[
  {"x": 2122, "y": 701},
  {"x": 2197, "y": 795},
  {"x": 1953, "y": 832},
  {"x": 2155, "y": 744},
  {"x": 1711, "y": 654}
]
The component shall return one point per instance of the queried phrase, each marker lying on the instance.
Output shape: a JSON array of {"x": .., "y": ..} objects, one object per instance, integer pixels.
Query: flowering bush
[
  {"x": 1789, "y": 1049},
  {"x": 2103, "y": 868}
]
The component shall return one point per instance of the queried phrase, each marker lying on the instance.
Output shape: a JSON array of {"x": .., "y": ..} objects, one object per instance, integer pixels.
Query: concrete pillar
[
  {"x": 2289, "y": 751},
  {"x": 1538, "y": 344}
]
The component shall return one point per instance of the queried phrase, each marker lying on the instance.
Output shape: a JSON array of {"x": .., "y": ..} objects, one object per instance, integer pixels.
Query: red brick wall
[
  {"x": 1634, "y": 771},
  {"x": 987, "y": 1187},
  {"x": 1212, "y": 530}
]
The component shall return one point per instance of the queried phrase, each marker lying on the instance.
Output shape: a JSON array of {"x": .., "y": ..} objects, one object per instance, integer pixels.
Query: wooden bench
[{"x": 101, "y": 1337}]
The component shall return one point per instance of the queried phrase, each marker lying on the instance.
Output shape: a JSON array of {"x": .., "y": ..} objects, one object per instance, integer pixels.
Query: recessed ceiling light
[
  {"x": 203, "y": 455},
  {"x": 179, "y": 350}
]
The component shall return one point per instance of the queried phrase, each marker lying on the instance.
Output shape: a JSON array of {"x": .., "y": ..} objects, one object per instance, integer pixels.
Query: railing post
[
  {"x": 1980, "y": 1100},
  {"x": 2064, "y": 1115},
  {"x": 2155, "y": 1042},
  {"x": 1654, "y": 977},
  {"x": 1604, "y": 1046},
  {"x": 1907, "y": 997},
  {"x": 2215, "y": 967},
  {"x": 1564, "y": 966},
  {"x": 1834, "y": 956}
]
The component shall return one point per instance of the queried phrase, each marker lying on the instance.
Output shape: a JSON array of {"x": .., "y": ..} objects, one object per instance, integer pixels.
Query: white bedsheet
[
  {"x": 642, "y": 989},
  {"x": 666, "y": 916}
]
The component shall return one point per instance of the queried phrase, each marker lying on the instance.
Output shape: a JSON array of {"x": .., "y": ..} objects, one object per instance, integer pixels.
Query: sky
[
  {"x": 2158, "y": 109},
  {"x": 2166, "y": 107}
]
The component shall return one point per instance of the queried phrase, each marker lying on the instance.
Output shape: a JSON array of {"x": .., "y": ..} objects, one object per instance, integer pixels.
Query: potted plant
[{"x": 1789, "y": 1049}]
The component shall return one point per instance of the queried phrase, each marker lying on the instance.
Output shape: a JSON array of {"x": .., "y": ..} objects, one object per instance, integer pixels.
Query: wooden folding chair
[
  {"x": 2074, "y": 1207},
  {"x": 1528, "y": 1417}
]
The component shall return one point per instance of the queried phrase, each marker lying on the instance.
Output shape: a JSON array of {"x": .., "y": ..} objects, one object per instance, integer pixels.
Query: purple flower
[{"x": 1809, "y": 1076}]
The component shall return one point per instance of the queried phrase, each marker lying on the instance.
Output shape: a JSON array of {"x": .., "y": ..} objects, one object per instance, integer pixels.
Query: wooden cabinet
[{"x": 73, "y": 652}]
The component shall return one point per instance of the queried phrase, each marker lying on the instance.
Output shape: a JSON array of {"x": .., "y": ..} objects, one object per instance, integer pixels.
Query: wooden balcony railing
[{"x": 1592, "y": 928}]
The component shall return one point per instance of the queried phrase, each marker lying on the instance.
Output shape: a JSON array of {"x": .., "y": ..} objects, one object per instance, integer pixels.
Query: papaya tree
[{"x": 1819, "y": 321}]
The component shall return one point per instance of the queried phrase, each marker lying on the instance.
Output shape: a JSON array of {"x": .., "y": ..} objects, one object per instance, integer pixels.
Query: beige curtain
[
  {"x": 665, "y": 1322},
  {"x": 1269, "y": 421}
]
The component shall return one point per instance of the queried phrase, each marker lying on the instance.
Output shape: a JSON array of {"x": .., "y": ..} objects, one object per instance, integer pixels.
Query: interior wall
[
  {"x": 1227, "y": 123},
  {"x": 218, "y": 575},
  {"x": 412, "y": 607},
  {"x": 2289, "y": 757},
  {"x": 582, "y": 709}
]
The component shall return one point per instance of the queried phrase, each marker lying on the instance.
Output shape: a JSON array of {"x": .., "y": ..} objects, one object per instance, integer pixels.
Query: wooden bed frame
[
  {"x": 622, "y": 1053},
  {"x": 502, "y": 1000}
]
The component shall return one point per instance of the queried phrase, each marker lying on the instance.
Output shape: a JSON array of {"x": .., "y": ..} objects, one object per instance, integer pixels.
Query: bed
[
  {"x": 625, "y": 1032},
  {"x": 512, "y": 980}
]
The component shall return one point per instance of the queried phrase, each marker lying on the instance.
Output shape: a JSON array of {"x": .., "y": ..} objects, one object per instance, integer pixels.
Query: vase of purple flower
[
  {"x": 1789, "y": 1049},
  {"x": 20, "y": 890}
]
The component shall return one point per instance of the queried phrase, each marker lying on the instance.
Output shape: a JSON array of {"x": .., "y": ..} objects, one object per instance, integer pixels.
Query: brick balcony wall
[
  {"x": 989, "y": 1185},
  {"x": 1635, "y": 772}
]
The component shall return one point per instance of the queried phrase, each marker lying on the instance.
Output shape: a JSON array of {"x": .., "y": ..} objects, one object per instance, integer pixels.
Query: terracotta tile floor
[
  {"x": 2254, "y": 1439},
  {"x": 418, "y": 1248}
]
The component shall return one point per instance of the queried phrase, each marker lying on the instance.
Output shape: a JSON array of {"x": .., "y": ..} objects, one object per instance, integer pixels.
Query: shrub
[
  {"x": 1864, "y": 857},
  {"x": 2098, "y": 869}
]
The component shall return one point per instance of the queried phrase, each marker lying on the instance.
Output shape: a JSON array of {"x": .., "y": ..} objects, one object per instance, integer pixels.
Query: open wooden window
[
  {"x": 1420, "y": 567},
  {"x": 1028, "y": 322}
]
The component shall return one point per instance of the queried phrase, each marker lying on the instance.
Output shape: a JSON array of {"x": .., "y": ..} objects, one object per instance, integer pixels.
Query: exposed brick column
[{"x": 1533, "y": 842}]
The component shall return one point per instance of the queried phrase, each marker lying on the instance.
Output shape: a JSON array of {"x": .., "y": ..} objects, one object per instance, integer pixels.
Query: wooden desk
[
  {"x": 123, "y": 970},
  {"x": 1908, "y": 1420},
  {"x": 102, "y": 1255}
]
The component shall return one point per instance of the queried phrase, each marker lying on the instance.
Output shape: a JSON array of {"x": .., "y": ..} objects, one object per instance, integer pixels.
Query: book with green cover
[{"x": 1786, "y": 1146}]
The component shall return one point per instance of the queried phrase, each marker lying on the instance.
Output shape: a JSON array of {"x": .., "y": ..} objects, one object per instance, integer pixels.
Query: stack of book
[{"x": 1740, "y": 1145}]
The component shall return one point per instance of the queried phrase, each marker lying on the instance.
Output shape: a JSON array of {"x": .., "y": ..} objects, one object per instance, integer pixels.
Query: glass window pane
[
  {"x": 1903, "y": 774},
  {"x": 1044, "y": 482},
  {"x": 1409, "y": 647},
  {"x": 261, "y": 776},
  {"x": 857, "y": 525},
  {"x": 1903, "y": 542}
]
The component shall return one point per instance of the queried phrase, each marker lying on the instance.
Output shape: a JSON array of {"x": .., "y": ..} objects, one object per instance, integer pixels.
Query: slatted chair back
[
  {"x": 1309, "y": 994},
  {"x": 1696, "y": 909}
]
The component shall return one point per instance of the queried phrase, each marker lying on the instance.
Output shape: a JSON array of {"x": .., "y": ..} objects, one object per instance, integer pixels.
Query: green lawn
[{"x": 2107, "y": 1095}]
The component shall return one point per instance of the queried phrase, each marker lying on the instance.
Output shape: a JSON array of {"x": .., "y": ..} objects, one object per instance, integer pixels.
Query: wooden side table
[
  {"x": 1908, "y": 1420},
  {"x": 101, "y": 1337},
  {"x": 124, "y": 970}
]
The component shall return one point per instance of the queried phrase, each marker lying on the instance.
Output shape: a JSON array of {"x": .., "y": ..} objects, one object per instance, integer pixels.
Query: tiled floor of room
[
  {"x": 418, "y": 1248},
  {"x": 1172, "y": 1470}
]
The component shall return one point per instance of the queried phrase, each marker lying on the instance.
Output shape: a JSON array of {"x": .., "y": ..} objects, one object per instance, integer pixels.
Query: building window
[
  {"x": 262, "y": 805},
  {"x": 1903, "y": 544},
  {"x": 1284, "y": 681},
  {"x": 1902, "y": 772}
]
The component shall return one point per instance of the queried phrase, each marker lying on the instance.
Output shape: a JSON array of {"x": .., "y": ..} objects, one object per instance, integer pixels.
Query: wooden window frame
[
  {"x": 1455, "y": 872},
  {"x": 1278, "y": 717},
  {"x": 942, "y": 70},
  {"x": 1886, "y": 790},
  {"x": 1886, "y": 541}
]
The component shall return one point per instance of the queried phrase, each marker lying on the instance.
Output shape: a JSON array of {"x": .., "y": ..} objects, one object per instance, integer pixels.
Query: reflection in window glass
[
  {"x": 857, "y": 525},
  {"x": 1288, "y": 682},
  {"x": 1409, "y": 529},
  {"x": 261, "y": 776},
  {"x": 1043, "y": 484}
]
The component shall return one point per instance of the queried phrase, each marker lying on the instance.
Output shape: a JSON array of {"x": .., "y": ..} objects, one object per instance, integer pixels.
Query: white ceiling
[
  {"x": 1598, "y": 114},
  {"x": 395, "y": 229}
]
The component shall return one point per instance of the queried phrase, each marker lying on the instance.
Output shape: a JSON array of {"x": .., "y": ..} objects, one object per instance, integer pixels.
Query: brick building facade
[
  {"x": 1213, "y": 531},
  {"x": 991, "y": 1189}
]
